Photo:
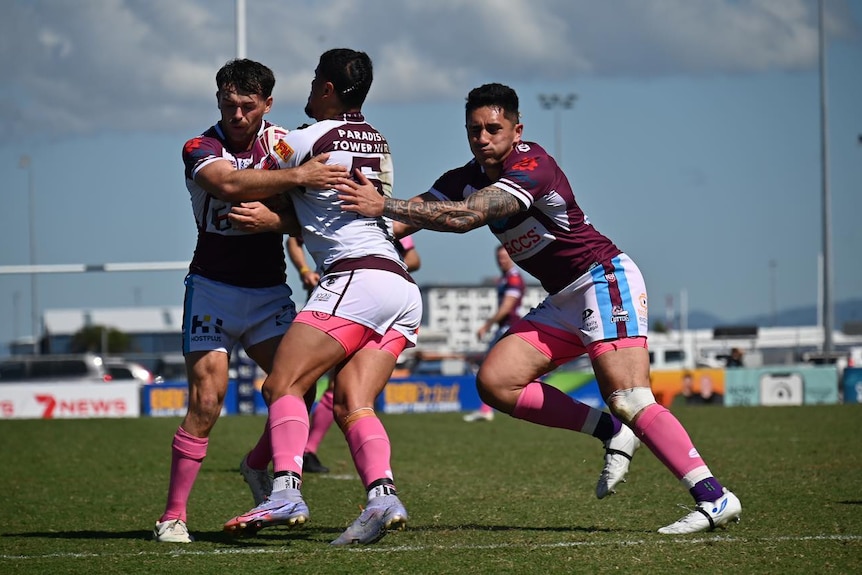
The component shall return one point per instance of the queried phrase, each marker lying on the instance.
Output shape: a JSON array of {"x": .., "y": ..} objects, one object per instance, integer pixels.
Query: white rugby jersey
[{"x": 329, "y": 233}]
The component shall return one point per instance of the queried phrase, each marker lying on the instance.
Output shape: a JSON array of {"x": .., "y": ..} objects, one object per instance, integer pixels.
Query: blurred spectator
[
  {"x": 735, "y": 358},
  {"x": 687, "y": 395},
  {"x": 707, "y": 396},
  {"x": 703, "y": 395}
]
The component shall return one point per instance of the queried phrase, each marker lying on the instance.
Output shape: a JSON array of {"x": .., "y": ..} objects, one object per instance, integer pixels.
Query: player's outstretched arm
[
  {"x": 485, "y": 205},
  {"x": 225, "y": 182}
]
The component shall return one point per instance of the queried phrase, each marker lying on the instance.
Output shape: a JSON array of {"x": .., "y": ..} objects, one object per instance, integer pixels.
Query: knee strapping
[
  {"x": 355, "y": 415},
  {"x": 627, "y": 403}
]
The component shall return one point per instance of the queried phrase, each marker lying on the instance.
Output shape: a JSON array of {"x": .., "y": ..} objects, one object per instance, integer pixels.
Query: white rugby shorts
[
  {"x": 217, "y": 316},
  {"x": 378, "y": 299}
]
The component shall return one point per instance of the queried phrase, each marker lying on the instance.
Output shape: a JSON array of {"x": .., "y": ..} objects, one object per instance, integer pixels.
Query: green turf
[{"x": 500, "y": 497}]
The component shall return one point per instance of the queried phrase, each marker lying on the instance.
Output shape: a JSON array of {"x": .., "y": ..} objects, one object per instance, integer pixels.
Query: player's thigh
[
  {"x": 263, "y": 353},
  {"x": 622, "y": 368},
  {"x": 361, "y": 378},
  {"x": 304, "y": 355},
  {"x": 511, "y": 364},
  {"x": 208, "y": 377}
]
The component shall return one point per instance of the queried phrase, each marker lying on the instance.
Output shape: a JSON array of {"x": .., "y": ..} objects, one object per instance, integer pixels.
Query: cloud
[{"x": 77, "y": 68}]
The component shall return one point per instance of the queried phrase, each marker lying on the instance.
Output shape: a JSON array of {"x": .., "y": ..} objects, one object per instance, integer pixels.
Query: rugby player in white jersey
[
  {"x": 322, "y": 417},
  {"x": 364, "y": 312},
  {"x": 235, "y": 290},
  {"x": 597, "y": 303}
]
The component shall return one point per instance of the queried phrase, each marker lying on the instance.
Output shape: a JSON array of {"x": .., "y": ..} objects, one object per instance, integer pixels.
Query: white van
[{"x": 670, "y": 356}]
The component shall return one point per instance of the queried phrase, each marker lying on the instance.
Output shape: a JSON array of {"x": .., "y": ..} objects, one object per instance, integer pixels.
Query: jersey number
[
  {"x": 218, "y": 218},
  {"x": 370, "y": 167}
]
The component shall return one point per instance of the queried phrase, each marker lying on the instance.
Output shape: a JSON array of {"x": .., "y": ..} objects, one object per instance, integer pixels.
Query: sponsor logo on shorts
[
  {"x": 642, "y": 312},
  {"x": 611, "y": 277},
  {"x": 204, "y": 324},
  {"x": 589, "y": 322},
  {"x": 619, "y": 315},
  {"x": 320, "y": 316}
]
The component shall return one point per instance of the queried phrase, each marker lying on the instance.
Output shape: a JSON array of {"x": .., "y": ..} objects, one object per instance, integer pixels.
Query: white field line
[{"x": 411, "y": 548}]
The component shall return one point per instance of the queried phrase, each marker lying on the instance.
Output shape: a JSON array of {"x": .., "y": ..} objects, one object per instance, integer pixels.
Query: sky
[{"x": 694, "y": 140}]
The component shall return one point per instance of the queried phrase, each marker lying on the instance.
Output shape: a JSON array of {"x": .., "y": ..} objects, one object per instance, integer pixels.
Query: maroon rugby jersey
[
  {"x": 552, "y": 239},
  {"x": 223, "y": 253}
]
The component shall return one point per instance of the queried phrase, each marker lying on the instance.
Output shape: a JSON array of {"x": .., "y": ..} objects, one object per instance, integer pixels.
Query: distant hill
[{"x": 848, "y": 311}]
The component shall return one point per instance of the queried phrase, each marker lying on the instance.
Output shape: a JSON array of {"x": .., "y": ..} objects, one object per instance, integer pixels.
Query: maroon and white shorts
[{"x": 380, "y": 300}]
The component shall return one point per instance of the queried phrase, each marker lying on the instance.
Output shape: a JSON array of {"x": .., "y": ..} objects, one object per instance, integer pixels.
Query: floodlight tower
[
  {"x": 828, "y": 316},
  {"x": 240, "y": 29},
  {"x": 557, "y": 103}
]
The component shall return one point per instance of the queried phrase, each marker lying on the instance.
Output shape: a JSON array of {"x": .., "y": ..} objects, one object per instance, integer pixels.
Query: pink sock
[
  {"x": 370, "y": 448},
  {"x": 546, "y": 405},
  {"x": 485, "y": 408},
  {"x": 187, "y": 454},
  {"x": 668, "y": 440},
  {"x": 288, "y": 432},
  {"x": 321, "y": 421},
  {"x": 261, "y": 454}
]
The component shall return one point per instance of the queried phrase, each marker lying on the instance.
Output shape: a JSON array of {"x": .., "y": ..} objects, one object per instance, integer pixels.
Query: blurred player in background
[{"x": 510, "y": 292}]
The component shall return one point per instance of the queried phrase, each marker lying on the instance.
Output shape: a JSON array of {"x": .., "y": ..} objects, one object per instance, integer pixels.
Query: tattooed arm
[
  {"x": 485, "y": 205},
  {"x": 488, "y": 204}
]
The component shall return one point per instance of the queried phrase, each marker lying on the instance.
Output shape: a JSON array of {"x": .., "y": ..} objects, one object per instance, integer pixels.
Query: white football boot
[
  {"x": 619, "y": 450},
  {"x": 707, "y": 515}
]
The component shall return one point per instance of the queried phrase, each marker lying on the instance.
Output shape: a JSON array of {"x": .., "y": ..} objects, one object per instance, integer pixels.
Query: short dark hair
[
  {"x": 495, "y": 96},
  {"x": 350, "y": 72},
  {"x": 246, "y": 76}
]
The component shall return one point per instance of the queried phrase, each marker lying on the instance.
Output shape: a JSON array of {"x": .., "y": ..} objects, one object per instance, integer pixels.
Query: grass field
[{"x": 501, "y": 497}]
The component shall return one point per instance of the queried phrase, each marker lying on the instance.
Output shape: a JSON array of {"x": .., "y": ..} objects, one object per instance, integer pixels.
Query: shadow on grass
[
  {"x": 276, "y": 535},
  {"x": 199, "y": 536},
  {"x": 495, "y": 528},
  {"x": 218, "y": 470}
]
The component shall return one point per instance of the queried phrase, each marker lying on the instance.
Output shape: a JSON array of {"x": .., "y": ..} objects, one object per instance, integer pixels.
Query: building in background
[
  {"x": 453, "y": 314},
  {"x": 458, "y": 311},
  {"x": 152, "y": 330}
]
